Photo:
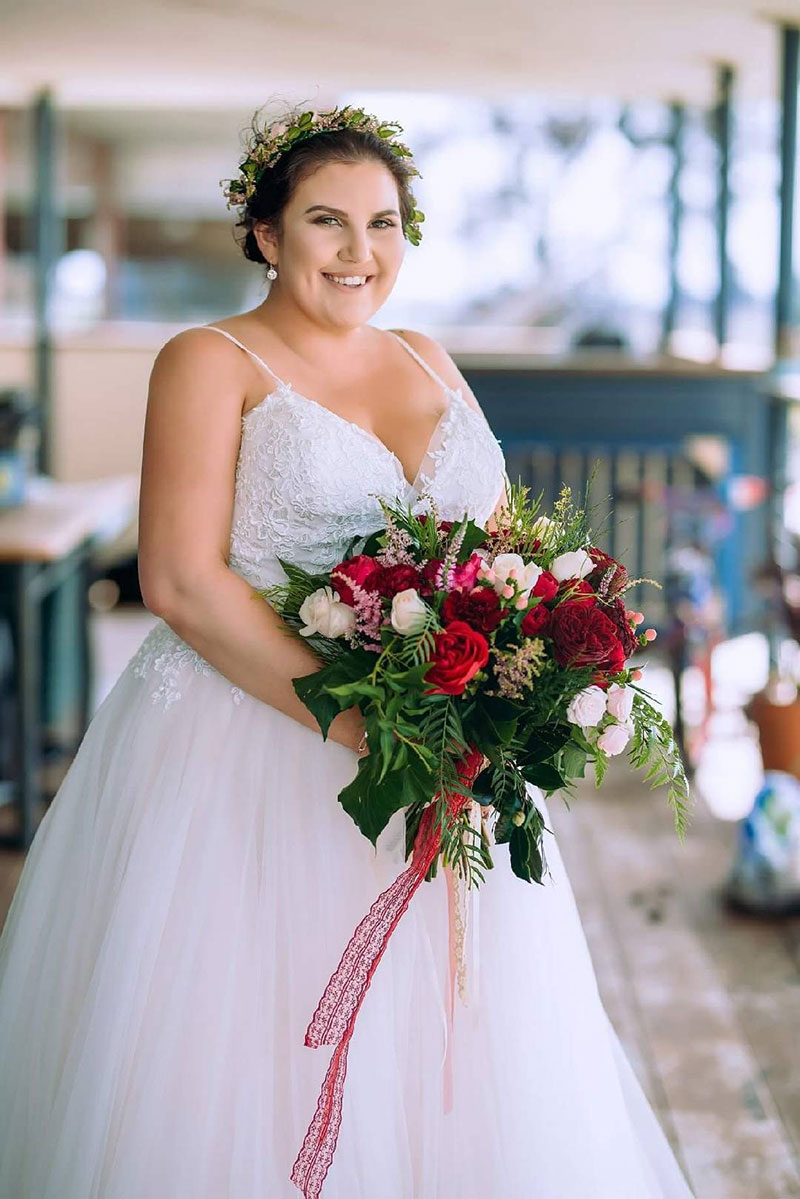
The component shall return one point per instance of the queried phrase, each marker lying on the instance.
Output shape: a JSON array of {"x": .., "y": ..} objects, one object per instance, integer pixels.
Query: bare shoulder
[
  {"x": 201, "y": 356},
  {"x": 438, "y": 357}
]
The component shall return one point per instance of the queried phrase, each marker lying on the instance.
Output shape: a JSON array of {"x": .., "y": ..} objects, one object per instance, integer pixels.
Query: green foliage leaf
[
  {"x": 573, "y": 760},
  {"x": 371, "y": 803},
  {"x": 492, "y": 724},
  {"x": 654, "y": 749},
  {"x": 474, "y": 536},
  {"x": 318, "y": 690},
  {"x": 542, "y": 774},
  {"x": 482, "y": 788},
  {"x": 526, "y": 856},
  {"x": 545, "y": 742}
]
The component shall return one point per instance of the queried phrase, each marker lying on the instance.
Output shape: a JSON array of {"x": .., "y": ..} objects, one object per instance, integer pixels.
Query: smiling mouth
[{"x": 348, "y": 286}]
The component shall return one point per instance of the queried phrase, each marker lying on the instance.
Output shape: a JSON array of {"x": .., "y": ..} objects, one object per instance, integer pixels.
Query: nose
[{"x": 356, "y": 246}]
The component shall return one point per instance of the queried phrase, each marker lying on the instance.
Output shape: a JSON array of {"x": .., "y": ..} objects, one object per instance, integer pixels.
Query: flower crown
[{"x": 267, "y": 146}]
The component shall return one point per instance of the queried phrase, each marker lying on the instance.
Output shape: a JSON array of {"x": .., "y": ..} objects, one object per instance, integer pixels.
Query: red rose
[
  {"x": 389, "y": 580},
  {"x": 479, "y": 608},
  {"x": 352, "y": 571},
  {"x": 536, "y": 622},
  {"x": 603, "y": 564},
  {"x": 577, "y": 591},
  {"x": 459, "y": 653},
  {"x": 584, "y": 636},
  {"x": 546, "y": 586}
]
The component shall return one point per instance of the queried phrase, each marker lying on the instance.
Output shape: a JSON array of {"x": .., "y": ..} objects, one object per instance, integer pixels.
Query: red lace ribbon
[{"x": 334, "y": 1020}]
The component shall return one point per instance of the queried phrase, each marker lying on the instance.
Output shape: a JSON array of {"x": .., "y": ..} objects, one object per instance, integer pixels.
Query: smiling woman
[{"x": 175, "y": 919}]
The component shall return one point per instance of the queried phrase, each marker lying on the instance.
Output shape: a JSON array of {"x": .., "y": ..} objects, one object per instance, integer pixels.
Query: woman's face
[{"x": 342, "y": 221}]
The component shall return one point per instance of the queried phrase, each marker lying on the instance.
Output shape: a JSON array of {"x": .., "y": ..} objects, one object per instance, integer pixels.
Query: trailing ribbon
[{"x": 334, "y": 1020}]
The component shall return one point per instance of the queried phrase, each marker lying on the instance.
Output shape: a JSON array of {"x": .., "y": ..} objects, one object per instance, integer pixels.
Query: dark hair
[{"x": 277, "y": 184}]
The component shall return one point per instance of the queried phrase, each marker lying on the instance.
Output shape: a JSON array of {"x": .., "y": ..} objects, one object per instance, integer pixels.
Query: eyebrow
[{"x": 339, "y": 212}]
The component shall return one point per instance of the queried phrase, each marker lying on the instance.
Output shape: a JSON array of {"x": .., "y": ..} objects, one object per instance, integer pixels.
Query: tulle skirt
[{"x": 187, "y": 896}]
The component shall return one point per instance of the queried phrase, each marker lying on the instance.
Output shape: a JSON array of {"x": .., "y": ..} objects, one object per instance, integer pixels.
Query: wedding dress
[{"x": 194, "y": 882}]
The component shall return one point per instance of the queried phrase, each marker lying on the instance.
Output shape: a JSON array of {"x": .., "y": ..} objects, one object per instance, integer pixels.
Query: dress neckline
[{"x": 286, "y": 391}]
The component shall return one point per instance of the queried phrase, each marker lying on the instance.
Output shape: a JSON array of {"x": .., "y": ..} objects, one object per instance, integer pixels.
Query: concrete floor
[{"x": 706, "y": 1002}]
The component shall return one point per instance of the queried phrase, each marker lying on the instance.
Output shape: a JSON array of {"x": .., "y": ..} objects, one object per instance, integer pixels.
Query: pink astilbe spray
[{"x": 369, "y": 616}]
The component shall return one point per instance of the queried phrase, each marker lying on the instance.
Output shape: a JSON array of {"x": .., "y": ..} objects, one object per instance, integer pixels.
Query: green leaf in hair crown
[{"x": 268, "y": 144}]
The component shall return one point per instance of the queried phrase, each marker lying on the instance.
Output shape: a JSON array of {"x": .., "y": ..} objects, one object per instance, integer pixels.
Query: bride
[{"x": 192, "y": 885}]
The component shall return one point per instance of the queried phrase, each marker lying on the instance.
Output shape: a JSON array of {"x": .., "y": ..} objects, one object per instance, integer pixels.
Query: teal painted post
[
  {"x": 47, "y": 246},
  {"x": 722, "y": 124},
  {"x": 783, "y": 299},
  {"x": 678, "y": 114}
]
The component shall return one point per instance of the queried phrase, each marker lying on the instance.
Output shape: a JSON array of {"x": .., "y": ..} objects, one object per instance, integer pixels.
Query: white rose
[
  {"x": 541, "y": 527},
  {"x": 575, "y": 565},
  {"x": 408, "y": 612},
  {"x": 614, "y": 739},
  {"x": 508, "y": 568},
  {"x": 620, "y": 701},
  {"x": 324, "y": 612},
  {"x": 587, "y": 708}
]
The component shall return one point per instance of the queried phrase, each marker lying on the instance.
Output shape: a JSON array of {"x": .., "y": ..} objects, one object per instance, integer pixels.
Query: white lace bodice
[{"x": 307, "y": 481}]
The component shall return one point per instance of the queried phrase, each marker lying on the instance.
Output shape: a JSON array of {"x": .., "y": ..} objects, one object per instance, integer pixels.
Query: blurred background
[{"x": 610, "y": 254}]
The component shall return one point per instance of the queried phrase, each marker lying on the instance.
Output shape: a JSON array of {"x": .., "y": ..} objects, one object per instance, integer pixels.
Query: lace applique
[
  {"x": 164, "y": 654},
  {"x": 467, "y": 465}
]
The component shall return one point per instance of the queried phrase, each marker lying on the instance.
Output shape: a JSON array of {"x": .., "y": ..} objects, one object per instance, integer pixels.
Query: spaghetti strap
[
  {"x": 421, "y": 361},
  {"x": 252, "y": 353}
]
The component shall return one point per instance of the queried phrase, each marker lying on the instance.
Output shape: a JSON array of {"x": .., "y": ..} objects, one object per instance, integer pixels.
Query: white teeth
[{"x": 350, "y": 280}]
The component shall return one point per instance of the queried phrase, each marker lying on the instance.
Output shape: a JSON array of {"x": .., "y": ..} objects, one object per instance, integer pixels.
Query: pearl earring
[{"x": 272, "y": 273}]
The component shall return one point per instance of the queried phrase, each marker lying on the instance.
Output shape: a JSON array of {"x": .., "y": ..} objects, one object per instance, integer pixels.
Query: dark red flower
[
  {"x": 585, "y": 636},
  {"x": 428, "y": 575},
  {"x": 389, "y": 580},
  {"x": 604, "y": 565},
  {"x": 352, "y": 571},
  {"x": 546, "y": 586},
  {"x": 536, "y": 622},
  {"x": 459, "y": 653},
  {"x": 617, "y": 613},
  {"x": 479, "y": 608},
  {"x": 577, "y": 591}
]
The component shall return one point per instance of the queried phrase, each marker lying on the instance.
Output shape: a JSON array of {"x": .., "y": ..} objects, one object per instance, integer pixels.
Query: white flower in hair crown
[{"x": 267, "y": 146}]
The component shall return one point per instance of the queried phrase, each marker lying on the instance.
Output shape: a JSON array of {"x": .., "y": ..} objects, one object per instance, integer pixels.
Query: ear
[{"x": 266, "y": 240}]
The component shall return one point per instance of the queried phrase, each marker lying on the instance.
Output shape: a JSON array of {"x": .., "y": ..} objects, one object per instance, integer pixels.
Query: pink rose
[{"x": 613, "y": 740}]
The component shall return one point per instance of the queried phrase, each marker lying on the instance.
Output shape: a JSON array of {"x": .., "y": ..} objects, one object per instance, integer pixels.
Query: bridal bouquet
[
  {"x": 510, "y": 645},
  {"x": 482, "y": 662}
]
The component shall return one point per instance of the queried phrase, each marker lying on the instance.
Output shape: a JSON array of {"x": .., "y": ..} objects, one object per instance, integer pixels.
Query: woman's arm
[{"x": 191, "y": 444}]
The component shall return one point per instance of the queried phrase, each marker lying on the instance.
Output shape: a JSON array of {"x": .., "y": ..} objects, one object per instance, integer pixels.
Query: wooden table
[{"x": 45, "y": 543}]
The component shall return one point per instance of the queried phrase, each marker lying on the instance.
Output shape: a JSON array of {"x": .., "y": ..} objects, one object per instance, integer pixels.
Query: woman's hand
[{"x": 348, "y": 728}]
